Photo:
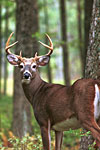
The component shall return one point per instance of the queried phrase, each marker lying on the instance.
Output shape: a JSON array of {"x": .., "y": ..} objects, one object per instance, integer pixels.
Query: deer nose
[{"x": 26, "y": 75}]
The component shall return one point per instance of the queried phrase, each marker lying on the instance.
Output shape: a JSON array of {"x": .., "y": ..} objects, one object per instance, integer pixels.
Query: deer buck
[{"x": 58, "y": 107}]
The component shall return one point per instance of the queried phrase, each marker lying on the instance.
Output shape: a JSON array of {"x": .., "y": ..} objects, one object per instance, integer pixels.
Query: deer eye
[
  {"x": 21, "y": 66},
  {"x": 34, "y": 66}
]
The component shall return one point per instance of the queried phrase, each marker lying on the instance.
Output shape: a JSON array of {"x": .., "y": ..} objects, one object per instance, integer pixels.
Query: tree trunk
[
  {"x": 88, "y": 5},
  {"x": 5, "y": 60},
  {"x": 92, "y": 69},
  {"x": 0, "y": 47},
  {"x": 64, "y": 41},
  {"x": 27, "y": 24},
  {"x": 80, "y": 40},
  {"x": 46, "y": 20}
]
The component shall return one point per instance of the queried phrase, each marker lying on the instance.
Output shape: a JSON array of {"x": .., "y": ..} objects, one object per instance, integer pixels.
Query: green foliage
[
  {"x": 91, "y": 147},
  {"x": 27, "y": 142},
  {"x": 5, "y": 112}
]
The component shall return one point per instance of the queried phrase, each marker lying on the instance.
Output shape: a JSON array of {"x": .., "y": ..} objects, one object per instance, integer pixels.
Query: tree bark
[
  {"x": 80, "y": 39},
  {"x": 63, "y": 18},
  {"x": 46, "y": 20},
  {"x": 88, "y": 5},
  {"x": 5, "y": 59},
  {"x": 27, "y": 25},
  {"x": 92, "y": 69}
]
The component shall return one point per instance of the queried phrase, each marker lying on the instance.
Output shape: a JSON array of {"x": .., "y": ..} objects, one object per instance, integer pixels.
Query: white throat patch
[
  {"x": 97, "y": 102},
  {"x": 27, "y": 81}
]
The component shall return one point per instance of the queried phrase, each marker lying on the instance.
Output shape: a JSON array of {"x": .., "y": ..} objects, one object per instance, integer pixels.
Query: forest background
[{"x": 67, "y": 22}]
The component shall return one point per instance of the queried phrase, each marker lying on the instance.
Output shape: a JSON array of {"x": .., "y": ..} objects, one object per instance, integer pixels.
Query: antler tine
[
  {"x": 20, "y": 54},
  {"x": 9, "y": 46},
  {"x": 49, "y": 47},
  {"x": 36, "y": 56}
]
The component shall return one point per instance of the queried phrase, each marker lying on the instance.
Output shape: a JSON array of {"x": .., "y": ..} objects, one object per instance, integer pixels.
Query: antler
[
  {"x": 7, "y": 48},
  {"x": 47, "y": 46}
]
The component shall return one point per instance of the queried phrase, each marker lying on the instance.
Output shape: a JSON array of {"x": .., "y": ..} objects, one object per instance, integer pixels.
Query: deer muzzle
[{"x": 27, "y": 75}]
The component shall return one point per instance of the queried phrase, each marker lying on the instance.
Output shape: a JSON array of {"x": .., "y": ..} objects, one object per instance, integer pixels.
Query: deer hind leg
[
  {"x": 58, "y": 140},
  {"x": 97, "y": 143},
  {"x": 89, "y": 123},
  {"x": 87, "y": 120},
  {"x": 95, "y": 130}
]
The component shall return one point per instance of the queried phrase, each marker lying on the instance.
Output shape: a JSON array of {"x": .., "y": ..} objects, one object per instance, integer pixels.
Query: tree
[
  {"x": 92, "y": 69},
  {"x": 80, "y": 38},
  {"x": 87, "y": 20},
  {"x": 5, "y": 60},
  {"x": 63, "y": 18},
  {"x": 26, "y": 26},
  {"x": 46, "y": 20}
]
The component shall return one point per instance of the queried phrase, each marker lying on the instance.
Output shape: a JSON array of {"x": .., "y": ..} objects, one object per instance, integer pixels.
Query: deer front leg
[
  {"x": 46, "y": 139},
  {"x": 58, "y": 140}
]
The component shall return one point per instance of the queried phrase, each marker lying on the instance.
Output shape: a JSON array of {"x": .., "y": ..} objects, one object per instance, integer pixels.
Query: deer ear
[
  {"x": 12, "y": 59},
  {"x": 42, "y": 61}
]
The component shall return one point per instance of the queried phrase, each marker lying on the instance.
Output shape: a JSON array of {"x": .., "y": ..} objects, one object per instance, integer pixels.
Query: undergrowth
[{"x": 8, "y": 140}]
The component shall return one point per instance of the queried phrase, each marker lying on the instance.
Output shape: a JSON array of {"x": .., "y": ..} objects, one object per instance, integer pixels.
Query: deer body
[
  {"x": 57, "y": 107},
  {"x": 44, "y": 100}
]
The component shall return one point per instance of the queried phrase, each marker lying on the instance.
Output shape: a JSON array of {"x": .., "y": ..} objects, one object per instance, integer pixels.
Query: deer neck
[{"x": 32, "y": 88}]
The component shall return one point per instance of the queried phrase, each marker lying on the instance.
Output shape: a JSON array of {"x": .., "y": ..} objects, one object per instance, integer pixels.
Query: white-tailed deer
[{"x": 57, "y": 107}]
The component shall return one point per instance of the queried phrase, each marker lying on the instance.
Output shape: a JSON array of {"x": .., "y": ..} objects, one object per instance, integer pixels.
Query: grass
[{"x": 5, "y": 112}]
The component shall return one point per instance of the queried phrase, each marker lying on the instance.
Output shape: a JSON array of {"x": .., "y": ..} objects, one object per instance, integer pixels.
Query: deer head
[{"x": 28, "y": 66}]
